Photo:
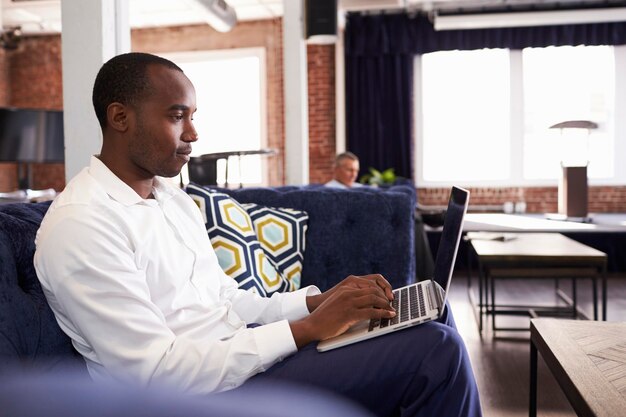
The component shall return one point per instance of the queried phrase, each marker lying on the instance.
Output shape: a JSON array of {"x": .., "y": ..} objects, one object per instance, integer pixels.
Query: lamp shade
[
  {"x": 575, "y": 141},
  {"x": 31, "y": 135},
  {"x": 575, "y": 124}
]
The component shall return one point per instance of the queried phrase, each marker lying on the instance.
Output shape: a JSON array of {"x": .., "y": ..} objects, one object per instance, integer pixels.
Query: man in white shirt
[
  {"x": 129, "y": 271},
  {"x": 346, "y": 170}
]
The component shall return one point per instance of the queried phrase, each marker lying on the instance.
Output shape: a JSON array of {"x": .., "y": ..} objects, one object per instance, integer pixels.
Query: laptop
[{"x": 423, "y": 301}]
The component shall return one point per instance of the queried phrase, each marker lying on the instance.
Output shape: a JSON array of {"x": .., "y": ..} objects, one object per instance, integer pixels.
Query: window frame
[{"x": 516, "y": 135}]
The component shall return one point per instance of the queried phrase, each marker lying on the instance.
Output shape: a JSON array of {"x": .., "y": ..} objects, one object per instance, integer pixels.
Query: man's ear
[{"x": 118, "y": 116}]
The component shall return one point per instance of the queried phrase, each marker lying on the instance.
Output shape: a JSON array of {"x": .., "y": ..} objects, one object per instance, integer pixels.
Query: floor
[{"x": 501, "y": 362}]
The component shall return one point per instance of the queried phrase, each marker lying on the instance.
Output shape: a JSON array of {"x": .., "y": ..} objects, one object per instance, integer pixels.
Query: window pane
[
  {"x": 465, "y": 102},
  {"x": 228, "y": 94},
  {"x": 567, "y": 83}
]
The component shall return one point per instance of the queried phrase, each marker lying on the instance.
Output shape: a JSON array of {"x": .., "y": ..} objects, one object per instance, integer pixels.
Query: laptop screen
[{"x": 450, "y": 237}]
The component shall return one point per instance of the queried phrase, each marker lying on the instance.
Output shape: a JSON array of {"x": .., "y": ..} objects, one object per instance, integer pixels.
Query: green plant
[{"x": 376, "y": 177}]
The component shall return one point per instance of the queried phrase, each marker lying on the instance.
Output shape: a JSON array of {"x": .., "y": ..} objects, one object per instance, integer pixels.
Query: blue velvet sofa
[{"x": 349, "y": 232}]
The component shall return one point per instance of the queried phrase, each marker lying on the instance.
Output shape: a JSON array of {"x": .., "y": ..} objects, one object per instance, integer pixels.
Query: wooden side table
[
  {"x": 534, "y": 256},
  {"x": 588, "y": 360}
]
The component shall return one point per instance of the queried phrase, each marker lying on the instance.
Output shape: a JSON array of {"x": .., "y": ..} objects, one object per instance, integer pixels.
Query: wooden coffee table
[
  {"x": 588, "y": 360},
  {"x": 534, "y": 256}
]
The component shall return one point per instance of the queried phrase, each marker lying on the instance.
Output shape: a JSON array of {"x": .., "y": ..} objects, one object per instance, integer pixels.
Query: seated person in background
[
  {"x": 346, "y": 170},
  {"x": 129, "y": 271}
]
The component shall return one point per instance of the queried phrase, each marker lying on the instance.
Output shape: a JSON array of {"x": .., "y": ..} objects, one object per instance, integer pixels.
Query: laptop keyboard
[{"x": 409, "y": 304}]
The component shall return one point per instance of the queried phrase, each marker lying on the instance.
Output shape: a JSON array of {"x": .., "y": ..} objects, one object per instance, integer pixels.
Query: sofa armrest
[{"x": 29, "y": 333}]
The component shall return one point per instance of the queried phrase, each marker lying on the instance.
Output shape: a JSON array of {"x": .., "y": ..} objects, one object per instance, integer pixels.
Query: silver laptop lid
[{"x": 450, "y": 238}]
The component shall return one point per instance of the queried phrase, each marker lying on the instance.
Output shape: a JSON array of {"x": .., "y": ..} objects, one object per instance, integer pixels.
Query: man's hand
[
  {"x": 352, "y": 300},
  {"x": 353, "y": 281}
]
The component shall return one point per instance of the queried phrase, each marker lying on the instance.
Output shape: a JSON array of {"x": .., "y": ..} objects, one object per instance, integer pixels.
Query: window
[
  {"x": 567, "y": 83},
  {"x": 230, "y": 94},
  {"x": 483, "y": 117},
  {"x": 465, "y": 111}
]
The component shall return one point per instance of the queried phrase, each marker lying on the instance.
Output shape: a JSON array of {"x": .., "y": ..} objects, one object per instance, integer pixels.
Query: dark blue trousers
[{"x": 420, "y": 371}]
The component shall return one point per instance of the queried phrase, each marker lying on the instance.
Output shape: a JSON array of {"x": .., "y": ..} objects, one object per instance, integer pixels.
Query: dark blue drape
[
  {"x": 379, "y": 52},
  {"x": 379, "y": 85}
]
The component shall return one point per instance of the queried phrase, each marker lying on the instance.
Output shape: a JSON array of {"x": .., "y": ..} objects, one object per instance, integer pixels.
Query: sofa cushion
[
  {"x": 28, "y": 330},
  {"x": 235, "y": 242},
  {"x": 281, "y": 232},
  {"x": 357, "y": 231}
]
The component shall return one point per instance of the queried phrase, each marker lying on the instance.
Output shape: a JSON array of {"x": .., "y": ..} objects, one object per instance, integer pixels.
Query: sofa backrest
[
  {"x": 357, "y": 231},
  {"x": 29, "y": 332}
]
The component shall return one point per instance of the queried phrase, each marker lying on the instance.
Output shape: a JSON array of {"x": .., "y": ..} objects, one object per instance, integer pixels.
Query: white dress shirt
[{"x": 137, "y": 287}]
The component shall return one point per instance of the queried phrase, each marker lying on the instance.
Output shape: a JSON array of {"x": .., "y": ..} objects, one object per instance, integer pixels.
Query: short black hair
[{"x": 123, "y": 79}]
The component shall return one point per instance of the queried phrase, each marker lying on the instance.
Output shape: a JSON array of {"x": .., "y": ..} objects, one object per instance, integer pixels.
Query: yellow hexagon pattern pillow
[
  {"x": 235, "y": 242},
  {"x": 282, "y": 233}
]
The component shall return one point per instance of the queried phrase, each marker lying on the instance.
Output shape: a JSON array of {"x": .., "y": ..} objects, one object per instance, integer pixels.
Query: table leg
[
  {"x": 481, "y": 277},
  {"x": 532, "y": 409},
  {"x": 574, "y": 299},
  {"x": 493, "y": 302},
  {"x": 604, "y": 292},
  {"x": 595, "y": 297}
]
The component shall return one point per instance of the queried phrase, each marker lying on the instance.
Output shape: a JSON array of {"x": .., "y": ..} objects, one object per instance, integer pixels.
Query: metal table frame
[{"x": 491, "y": 270}]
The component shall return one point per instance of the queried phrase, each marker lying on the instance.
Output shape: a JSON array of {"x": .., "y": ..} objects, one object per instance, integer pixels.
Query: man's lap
[
  {"x": 380, "y": 368},
  {"x": 363, "y": 359}
]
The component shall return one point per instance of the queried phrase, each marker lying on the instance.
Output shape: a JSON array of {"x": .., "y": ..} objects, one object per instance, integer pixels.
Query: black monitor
[
  {"x": 202, "y": 171},
  {"x": 28, "y": 135}
]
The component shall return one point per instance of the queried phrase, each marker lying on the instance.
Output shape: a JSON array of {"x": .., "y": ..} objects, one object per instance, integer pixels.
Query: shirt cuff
[
  {"x": 294, "y": 303},
  {"x": 274, "y": 342}
]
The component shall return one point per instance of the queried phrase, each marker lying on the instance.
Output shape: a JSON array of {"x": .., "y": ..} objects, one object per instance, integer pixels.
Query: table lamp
[{"x": 573, "y": 189}]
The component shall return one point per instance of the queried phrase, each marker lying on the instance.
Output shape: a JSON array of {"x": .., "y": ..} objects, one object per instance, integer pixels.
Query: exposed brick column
[
  {"x": 321, "y": 82},
  {"x": 35, "y": 73}
]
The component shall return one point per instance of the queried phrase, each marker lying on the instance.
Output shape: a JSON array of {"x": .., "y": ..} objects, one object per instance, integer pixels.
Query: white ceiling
[
  {"x": 44, "y": 16},
  {"x": 41, "y": 16}
]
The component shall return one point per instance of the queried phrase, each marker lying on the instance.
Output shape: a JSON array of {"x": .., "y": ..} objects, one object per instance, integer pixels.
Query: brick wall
[
  {"x": 8, "y": 177},
  {"x": 4, "y": 78},
  {"x": 538, "y": 199},
  {"x": 321, "y": 85},
  {"x": 35, "y": 74}
]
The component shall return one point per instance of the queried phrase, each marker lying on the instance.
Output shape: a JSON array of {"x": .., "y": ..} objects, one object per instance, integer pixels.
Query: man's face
[
  {"x": 346, "y": 171},
  {"x": 163, "y": 129}
]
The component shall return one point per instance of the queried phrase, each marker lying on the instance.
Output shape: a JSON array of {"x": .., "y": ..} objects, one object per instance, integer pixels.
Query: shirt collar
[{"x": 120, "y": 191}]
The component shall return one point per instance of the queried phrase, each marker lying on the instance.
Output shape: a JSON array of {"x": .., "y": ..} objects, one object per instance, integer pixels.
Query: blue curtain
[
  {"x": 379, "y": 85},
  {"x": 379, "y": 51}
]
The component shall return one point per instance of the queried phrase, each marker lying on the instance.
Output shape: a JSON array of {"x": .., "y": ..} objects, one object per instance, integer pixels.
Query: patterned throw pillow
[
  {"x": 281, "y": 232},
  {"x": 235, "y": 242}
]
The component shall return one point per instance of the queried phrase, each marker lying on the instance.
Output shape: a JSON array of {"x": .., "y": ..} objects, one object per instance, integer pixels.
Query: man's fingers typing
[{"x": 373, "y": 300}]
